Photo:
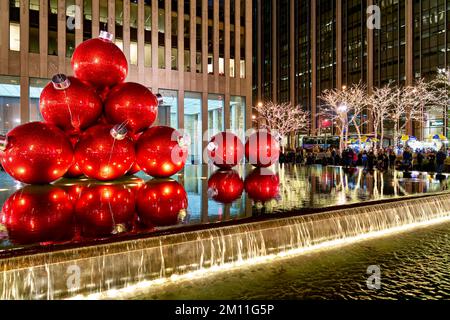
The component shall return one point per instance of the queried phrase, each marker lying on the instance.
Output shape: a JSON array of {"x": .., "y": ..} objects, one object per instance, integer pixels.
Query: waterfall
[{"x": 94, "y": 270}]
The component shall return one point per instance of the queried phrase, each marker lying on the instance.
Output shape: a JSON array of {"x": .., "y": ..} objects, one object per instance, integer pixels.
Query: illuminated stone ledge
[{"x": 114, "y": 266}]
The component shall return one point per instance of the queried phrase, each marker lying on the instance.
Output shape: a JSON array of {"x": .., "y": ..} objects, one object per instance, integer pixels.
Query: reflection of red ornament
[
  {"x": 262, "y": 185},
  {"x": 161, "y": 203},
  {"x": 37, "y": 153},
  {"x": 326, "y": 123},
  {"x": 100, "y": 62},
  {"x": 38, "y": 214},
  {"x": 69, "y": 104},
  {"x": 225, "y": 186},
  {"x": 161, "y": 152},
  {"x": 133, "y": 104},
  {"x": 225, "y": 150},
  {"x": 262, "y": 149},
  {"x": 103, "y": 157},
  {"x": 105, "y": 209}
]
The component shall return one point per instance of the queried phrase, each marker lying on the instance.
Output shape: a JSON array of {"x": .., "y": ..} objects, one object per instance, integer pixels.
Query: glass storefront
[
  {"x": 193, "y": 125},
  {"x": 9, "y": 103},
  {"x": 36, "y": 87},
  {"x": 168, "y": 111},
  {"x": 215, "y": 114}
]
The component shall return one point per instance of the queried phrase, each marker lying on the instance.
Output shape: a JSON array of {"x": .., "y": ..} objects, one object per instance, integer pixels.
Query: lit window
[{"x": 14, "y": 36}]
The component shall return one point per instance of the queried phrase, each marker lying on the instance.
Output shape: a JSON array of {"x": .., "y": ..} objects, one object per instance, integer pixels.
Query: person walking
[{"x": 441, "y": 156}]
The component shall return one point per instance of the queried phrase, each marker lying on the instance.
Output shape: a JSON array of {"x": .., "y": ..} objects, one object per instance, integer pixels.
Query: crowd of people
[{"x": 380, "y": 159}]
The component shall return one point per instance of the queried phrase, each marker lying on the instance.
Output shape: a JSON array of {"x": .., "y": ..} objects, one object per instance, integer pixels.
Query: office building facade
[
  {"x": 308, "y": 46},
  {"x": 197, "y": 54}
]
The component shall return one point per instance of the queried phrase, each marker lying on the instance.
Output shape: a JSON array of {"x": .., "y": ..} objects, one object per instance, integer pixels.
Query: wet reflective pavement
[{"x": 82, "y": 211}]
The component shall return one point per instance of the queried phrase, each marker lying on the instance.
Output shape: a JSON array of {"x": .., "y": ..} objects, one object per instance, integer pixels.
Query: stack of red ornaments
[{"x": 94, "y": 124}]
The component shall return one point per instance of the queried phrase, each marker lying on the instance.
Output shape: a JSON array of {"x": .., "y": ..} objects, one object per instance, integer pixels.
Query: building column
[
  {"x": 339, "y": 48},
  {"x": 111, "y": 16},
  {"x": 79, "y": 24},
  {"x": 168, "y": 34},
  {"x": 248, "y": 62},
  {"x": 409, "y": 54},
  {"x": 155, "y": 45},
  {"x": 141, "y": 42},
  {"x": 226, "y": 110},
  {"x": 43, "y": 38},
  {"x": 62, "y": 25},
  {"x": 370, "y": 66},
  {"x": 313, "y": 68},
  {"x": 4, "y": 37},
  {"x": 96, "y": 18},
  {"x": 259, "y": 51},
  {"x": 24, "y": 60},
  {"x": 193, "y": 35},
  {"x": 274, "y": 52},
  {"x": 292, "y": 44}
]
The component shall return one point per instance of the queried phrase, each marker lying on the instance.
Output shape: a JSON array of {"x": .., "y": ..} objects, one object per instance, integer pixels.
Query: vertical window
[
  {"x": 168, "y": 111},
  {"x": 14, "y": 25},
  {"x": 161, "y": 35},
  {"x": 103, "y": 15},
  {"x": 9, "y": 103},
  {"x": 133, "y": 32},
  {"x": 193, "y": 125},
  {"x": 70, "y": 30},
  {"x": 232, "y": 38},
  {"x": 210, "y": 37},
  {"x": 187, "y": 36},
  {"x": 118, "y": 28},
  {"x": 198, "y": 34},
  {"x": 221, "y": 37},
  {"x": 174, "y": 39},
  {"x": 53, "y": 28},
  {"x": 147, "y": 35},
  {"x": 87, "y": 19},
  {"x": 33, "y": 40},
  {"x": 215, "y": 114},
  {"x": 36, "y": 87},
  {"x": 242, "y": 34}
]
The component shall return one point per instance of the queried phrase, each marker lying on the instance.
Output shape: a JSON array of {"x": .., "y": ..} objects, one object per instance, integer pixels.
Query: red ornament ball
[
  {"x": 161, "y": 152},
  {"x": 262, "y": 150},
  {"x": 69, "y": 104},
  {"x": 105, "y": 209},
  {"x": 103, "y": 157},
  {"x": 100, "y": 62},
  {"x": 161, "y": 202},
  {"x": 37, "y": 153},
  {"x": 225, "y": 150},
  {"x": 38, "y": 214},
  {"x": 262, "y": 185},
  {"x": 225, "y": 186},
  {"x": 133, "y": 104}
]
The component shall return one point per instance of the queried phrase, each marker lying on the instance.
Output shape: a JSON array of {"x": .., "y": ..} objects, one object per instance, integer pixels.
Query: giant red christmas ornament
[
  {"x": 225, "y": 186},
  {"x": 262, "y": 185},
  {"x": 38, "y": 214},
  {"x": 161, "y": 151},
  {"x": 100, "y": 62},
  {"x": 225, "y": 150},
  {"x": 105, "y": 152},
  {"x": 69, "y": 104},
  {"x": 262, "y": 149},
  {"x": 133, "y": 104},
  {"x": 161, "y": 203},
  {"x": 105, "y": 209},
  {"x": 36, "y": 153}
]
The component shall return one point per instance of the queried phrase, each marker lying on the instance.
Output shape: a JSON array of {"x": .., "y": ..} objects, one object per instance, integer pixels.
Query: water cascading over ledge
[{"x": 104, "y": 268}]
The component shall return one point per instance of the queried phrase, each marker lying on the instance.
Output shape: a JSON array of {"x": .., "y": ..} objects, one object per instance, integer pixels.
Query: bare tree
[
  {"x": 380, "y": 102},
  {"x": 282, "y": 118},
  {"x": 345, "y": 107}
]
